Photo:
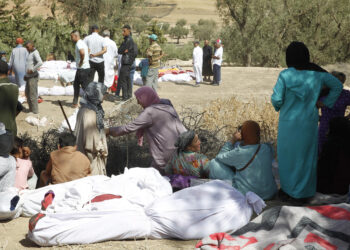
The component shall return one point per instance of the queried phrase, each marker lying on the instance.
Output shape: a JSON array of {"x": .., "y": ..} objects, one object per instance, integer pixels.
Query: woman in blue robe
[
  {"x": 296, "y": 96},
  {"x": 246, "y": 162}
]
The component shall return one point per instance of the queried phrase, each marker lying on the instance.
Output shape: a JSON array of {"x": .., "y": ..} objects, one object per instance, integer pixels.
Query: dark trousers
[
  {"x": 124, "y": 81},
  {"x": 100, "y": 68},
  {"x": 217, "y": 73},
  {"x": 82, "y": 78}
]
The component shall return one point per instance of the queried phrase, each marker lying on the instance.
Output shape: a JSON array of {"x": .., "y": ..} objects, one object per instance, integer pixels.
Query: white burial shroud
[{"x": 147, "y": 209}]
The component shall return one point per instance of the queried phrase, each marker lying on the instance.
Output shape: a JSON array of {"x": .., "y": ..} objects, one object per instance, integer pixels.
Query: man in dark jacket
[{"x": 126, "y": 49}]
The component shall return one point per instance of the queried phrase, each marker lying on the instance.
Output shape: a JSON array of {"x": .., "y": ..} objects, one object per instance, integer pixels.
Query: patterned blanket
[{"x": 312, "y": 228}]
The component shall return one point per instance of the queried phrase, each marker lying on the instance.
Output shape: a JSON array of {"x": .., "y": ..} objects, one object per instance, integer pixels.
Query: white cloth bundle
[{"x": 189, "y": 214}]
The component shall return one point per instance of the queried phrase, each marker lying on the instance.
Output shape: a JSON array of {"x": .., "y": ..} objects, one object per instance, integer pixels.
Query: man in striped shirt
[{"x": 154, "y": 54}]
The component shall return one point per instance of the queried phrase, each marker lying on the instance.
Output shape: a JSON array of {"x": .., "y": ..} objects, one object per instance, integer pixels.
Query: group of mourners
[{"x": 311, "y": 157}]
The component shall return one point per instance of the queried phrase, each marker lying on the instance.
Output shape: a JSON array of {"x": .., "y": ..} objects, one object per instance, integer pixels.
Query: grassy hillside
[{"x": 162, "y": 10}]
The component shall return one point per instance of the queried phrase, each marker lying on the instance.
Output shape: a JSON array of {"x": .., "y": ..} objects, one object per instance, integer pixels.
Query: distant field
[{"x": 163, "y": 10}]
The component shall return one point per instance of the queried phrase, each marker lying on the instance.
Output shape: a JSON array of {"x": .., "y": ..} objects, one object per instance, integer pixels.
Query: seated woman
[
  {"x": 89, "y": 129},
  {"x": 160, "y": 124},
  {"x": 338, "y": 109},
  {"x": 7, "y": 162},
  {"x": 66, "y": 163},
  {"x": 187, "y": 160},
  {"x": 246, "y": 162},
  {"x": 333, "y": 175},
  {"x": 24, "y": 167}
]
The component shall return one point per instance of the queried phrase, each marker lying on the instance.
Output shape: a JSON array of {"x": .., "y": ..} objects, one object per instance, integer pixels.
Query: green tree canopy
[
  {"x": 179, "y": 30},
  {"x": 204, "y": 30},
  {"x": 256, "y": 32}
]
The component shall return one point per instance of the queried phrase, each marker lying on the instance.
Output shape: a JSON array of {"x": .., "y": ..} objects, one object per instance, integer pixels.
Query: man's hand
[
  {"x": 126, "y": 51},
  {"x": 92, "y": 55}
]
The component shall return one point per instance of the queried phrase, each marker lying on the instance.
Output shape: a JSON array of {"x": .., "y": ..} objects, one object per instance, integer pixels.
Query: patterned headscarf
[
  {"x": 92, "y": 99},
  {"x": 184, "y": 140},
  {"x": 250, "y": 133},
  {"x": 147, "y": 96},
  {"x": 6, "y": 141}
]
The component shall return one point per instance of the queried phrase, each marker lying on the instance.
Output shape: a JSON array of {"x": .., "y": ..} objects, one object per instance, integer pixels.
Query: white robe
[
  {"x": 110, "y": 61},
  {"x": 198, "y": 63}
]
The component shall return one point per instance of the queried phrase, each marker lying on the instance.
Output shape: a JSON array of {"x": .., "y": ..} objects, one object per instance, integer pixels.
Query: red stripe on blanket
[
  {"x": 335, "y": 213},
  {"x": 314, "y": 238},
  {"x": 221, "y": 236},
  {"x": 251, "y": 240},
  {"x": 269, "y": 247},
  {"x": 105, "y": 197}
]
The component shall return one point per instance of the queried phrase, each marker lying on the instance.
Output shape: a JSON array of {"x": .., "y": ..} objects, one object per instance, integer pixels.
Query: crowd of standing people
[{"x": 306, "y": 151}]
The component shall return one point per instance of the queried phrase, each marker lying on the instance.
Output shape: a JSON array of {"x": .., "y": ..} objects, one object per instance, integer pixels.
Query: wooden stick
[{"x": 65, "y": 117}]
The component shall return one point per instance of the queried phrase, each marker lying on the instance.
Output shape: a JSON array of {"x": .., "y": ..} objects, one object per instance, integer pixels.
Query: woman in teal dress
[
  {"x": 246, "y": 162},
  {"x": 296, "y": 96}
]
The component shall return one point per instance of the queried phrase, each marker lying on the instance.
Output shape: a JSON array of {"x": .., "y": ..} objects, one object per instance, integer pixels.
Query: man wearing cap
[
  {"x": 33, "y": 63},
  {"x": 97, "y": 48},
  {"x": 197, "y": 63},
  {"x": 18, "y": 62},
  {"x": 154, "y": 54},
  {"x": 127, "y": 50},
  {"x": 110, "y": 58},
  {"x": 217, "y": 61},
  {"x": 8, "y": 100}
]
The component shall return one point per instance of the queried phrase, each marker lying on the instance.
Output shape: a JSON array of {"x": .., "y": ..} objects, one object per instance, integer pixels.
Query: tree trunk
[
  {"x": 178, "y": 40},
  {"x": 247, "y": 59}
]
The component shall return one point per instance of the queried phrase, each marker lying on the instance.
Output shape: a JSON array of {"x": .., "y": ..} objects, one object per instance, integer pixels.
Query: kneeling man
[{"x": 66, "y": 163}]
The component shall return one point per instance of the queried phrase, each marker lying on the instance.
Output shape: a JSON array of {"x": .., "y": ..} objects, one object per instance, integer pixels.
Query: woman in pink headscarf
[{"x": 159, "y": 123}]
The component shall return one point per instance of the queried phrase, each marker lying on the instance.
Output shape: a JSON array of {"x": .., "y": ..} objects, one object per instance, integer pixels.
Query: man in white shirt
[
  {"x": 110, "y": 58},
  {"x": 197, "y": 63},
  {"x": 217, "y": 61},
  {"x": 97, "y": 48},
  {"x": 83, "y": 76}
]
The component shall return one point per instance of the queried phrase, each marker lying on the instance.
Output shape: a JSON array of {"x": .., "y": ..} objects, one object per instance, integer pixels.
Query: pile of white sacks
[{"x": 147, "y": 209}]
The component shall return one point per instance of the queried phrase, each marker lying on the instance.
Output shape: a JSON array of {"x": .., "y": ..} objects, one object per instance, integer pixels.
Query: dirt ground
[{"x": 243, "y": 82}]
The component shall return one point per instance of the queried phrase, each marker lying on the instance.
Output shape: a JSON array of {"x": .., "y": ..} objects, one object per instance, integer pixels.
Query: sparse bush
[
  {"x": 182, "y": 52},
  {"x": 166, "y": 27},
  {"x": 41, "y": 148},
  {"x": 179, "y": 31},
  {"x": 204, "y": 30},
  {"x": 215, "y": 125},
  {"x": 231, "y": 113}
]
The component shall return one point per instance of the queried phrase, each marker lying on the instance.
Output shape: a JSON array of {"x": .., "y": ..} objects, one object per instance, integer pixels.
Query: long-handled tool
[{"x": 65, "y": 117}]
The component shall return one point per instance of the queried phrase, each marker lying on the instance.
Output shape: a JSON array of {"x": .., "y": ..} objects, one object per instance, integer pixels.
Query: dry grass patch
[{"x": 230, "y": 113}]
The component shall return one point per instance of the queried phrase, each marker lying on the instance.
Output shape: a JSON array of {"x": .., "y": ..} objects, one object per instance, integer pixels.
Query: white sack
[
  {"x": 6, "y": 213},
  {"x": 189, "y": 214},
  {"x": 196, "y": 212},
  {"x": 185, "y": 77}
]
